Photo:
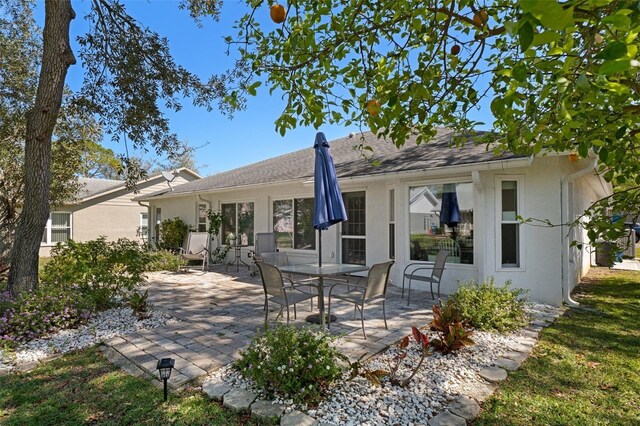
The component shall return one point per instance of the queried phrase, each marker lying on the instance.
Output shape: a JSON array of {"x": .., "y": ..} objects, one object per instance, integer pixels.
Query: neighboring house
[
  {"x": 106, "y": 207},
  {"x": 394, "y": 210}
]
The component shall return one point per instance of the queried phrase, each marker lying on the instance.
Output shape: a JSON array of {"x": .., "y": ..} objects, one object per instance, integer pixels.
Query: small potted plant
[{"x": 231, "y": 239}]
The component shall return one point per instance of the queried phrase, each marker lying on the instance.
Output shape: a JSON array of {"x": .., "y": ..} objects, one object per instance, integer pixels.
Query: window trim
[
  {"x": 520, "y": 208},
  {"x": 293, "y": 212},
  {"x": 235, "y": 231},
  {"x": 459, "y": 179},
  {"x": 206, "y": 219},
  {"x": 47, "y": 228},
  {"x": 144, "y": 236}
]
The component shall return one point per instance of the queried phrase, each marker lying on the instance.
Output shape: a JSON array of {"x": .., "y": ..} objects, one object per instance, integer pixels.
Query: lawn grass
[
  {"x": 83, "y": 388},
  {"x": 586, "y": 367}
]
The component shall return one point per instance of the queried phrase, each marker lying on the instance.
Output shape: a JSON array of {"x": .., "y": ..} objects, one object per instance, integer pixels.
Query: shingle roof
[
  {"x": 348, "y": 161},
  {"x": 94, "y": 186}
]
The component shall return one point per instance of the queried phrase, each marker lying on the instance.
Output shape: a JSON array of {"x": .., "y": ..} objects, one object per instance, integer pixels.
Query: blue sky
[{"x": 250, "y": 136}]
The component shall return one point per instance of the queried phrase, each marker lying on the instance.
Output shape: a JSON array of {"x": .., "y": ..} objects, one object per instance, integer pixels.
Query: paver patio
[{"x": 221, "y": 312}]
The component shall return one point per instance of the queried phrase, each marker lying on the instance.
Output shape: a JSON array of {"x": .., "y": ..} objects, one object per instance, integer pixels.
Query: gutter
[{"x": 564, "y": 233}]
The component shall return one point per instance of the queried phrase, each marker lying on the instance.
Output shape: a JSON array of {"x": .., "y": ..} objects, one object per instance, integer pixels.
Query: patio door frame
[{"x": 344, "y": 237}]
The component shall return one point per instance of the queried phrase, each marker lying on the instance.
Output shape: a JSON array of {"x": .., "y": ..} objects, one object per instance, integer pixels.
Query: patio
[{"x": 221, "y": 312}]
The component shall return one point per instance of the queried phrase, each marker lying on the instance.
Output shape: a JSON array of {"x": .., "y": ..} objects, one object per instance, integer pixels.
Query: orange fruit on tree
[
  {"x": 573, "y": 157},
  {"x": 277, "y": 13},
  {"x": 455, "y": 50},
  {"x": 373, "y": 107},
  {"x": 480, "y": 17}
]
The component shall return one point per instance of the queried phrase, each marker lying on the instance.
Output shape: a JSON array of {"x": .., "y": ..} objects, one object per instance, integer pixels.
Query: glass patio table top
[{"x": 321, "y": 272}]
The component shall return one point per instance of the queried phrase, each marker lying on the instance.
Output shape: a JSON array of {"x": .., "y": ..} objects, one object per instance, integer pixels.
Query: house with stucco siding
[
  {"x": 394, "y": 205},
  {"x": 106, "y": 207}
]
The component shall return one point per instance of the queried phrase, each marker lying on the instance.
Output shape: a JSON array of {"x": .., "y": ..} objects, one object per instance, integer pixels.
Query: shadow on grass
[
  {"x": 585, "y": 367},
  {"x": 83, "y": 388}
]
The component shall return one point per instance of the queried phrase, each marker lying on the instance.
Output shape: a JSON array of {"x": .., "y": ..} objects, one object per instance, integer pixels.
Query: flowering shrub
[
  {"x": 38, "y": 313},
  {"x": 488, "y": 307},
  {"x": 100, "y": 270},
  {"x": 295, "y": 363}
]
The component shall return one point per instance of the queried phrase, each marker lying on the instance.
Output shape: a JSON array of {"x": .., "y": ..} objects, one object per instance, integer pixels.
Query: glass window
[
  {"x": 143, "y": 231},
  {"x": 237, "y": 218},
  {"x": 510, "y": 228},
  {"x": 202, "y": 218},
  {"x": 58, "y": 228},
  {"x": 441, "y": 217},
  {"x": 293, "y": 224},
  {"x": 354, "y": 243}
]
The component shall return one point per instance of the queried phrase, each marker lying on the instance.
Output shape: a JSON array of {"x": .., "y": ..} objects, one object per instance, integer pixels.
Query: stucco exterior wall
[
  {"x": 114, "y": 215},
  {"x": 540, "y": 270}
]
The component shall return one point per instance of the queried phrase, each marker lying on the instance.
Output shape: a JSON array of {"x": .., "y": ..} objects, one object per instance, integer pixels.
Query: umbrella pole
[{"x": 319, "y": 247}]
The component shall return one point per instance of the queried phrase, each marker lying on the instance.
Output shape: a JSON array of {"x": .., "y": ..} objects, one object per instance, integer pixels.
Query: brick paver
[{"x": 221, "y": 312}]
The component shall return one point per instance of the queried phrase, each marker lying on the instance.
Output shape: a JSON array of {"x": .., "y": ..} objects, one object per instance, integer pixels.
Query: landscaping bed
[{"x": 441, "y": 380}]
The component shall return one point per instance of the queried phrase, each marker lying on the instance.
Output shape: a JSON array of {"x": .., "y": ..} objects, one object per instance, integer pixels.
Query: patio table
[
  {"x": 237, "y": 257},
  {"x": 322, "y": 272}
]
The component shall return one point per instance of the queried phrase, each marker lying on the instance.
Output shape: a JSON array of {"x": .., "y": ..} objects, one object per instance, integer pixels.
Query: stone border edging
[{"x": 458, "y": 413}]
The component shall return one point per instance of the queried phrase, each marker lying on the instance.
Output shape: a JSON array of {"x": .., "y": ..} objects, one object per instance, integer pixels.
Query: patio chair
[
  {"x": 264, "y": 242},
  {"x": 305, "y": 285},
  {"x": 197, "y": 249},
  {"x": 414, "y": 271},
  {"x": 275, "y": 291},
  {"x": 374, "y": 290},
  {"x": 452, "y": 246}
]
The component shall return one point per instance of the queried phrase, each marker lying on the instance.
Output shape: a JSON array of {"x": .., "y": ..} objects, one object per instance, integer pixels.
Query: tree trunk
[{"x": 56, "y": 59}]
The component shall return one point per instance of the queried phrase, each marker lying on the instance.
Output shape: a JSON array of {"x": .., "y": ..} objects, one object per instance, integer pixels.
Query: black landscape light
[{"x": 165, "y": 365}]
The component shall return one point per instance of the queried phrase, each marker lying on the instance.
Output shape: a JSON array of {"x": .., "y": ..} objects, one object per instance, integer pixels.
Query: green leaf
[
  {"x": 619, "y": 21},
  {"x": 497, "y": 106},
  {"x": 551, "y": 14},
  {"x": 613, "y": 50},
  {"x": 520, "y": 72},
  {"x": 525, "y": 36},
  {"x": 613, "y": 67},
  {"x": 582, "y": 82},
  {"x": 546, "y": 37}
]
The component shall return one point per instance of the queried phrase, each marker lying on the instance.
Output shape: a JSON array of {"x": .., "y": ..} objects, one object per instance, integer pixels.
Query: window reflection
[{"x": 441, "y": 217}]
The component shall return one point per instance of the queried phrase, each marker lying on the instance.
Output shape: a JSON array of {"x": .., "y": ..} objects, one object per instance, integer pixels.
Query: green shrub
[
  {"x": 138, "y": 304},
  {"x": 162, "y": 260},
  {"x": 172, "y": 233},
  {"x": 38, "y": 313},
  {"x": 98, "y": 271},
  {"x": 294, "y": 363},
  {"x": 488, "y": 307}
]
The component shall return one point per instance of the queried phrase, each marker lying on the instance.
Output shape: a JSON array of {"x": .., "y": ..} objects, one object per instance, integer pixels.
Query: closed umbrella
[
  {"x": 328, "y": 207},
  {"x": 449, "y": 210}
]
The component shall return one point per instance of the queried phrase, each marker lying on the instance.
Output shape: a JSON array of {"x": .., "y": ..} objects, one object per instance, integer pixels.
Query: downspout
[{"x": 564, "y": 234}]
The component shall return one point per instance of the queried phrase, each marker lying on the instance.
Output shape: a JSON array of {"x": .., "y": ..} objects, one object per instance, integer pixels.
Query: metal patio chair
[
  {"x": 275, "y": 291},
  {"x": 414, "y": 271},
  {"x": 264, "y": 242},
  {"x": 374, "y": 290}
]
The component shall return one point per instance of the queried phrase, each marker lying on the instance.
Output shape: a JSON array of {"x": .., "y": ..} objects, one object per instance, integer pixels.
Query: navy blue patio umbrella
[
  {"x": 449, "y": 210},
  {"x": 328, "y": 206}
]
